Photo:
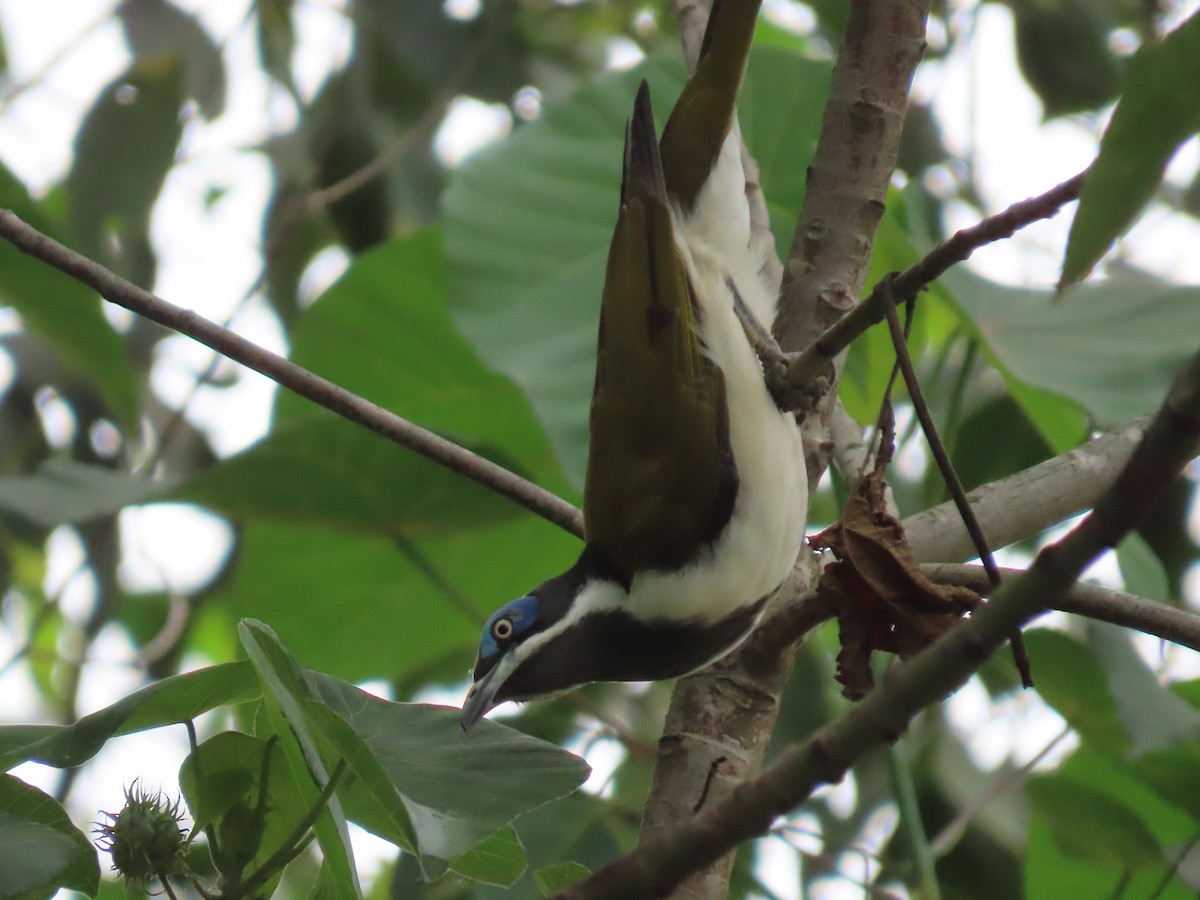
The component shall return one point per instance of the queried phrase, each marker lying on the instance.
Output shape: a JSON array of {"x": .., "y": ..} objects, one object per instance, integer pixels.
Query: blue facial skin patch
[{"x": 522, "y": 612}]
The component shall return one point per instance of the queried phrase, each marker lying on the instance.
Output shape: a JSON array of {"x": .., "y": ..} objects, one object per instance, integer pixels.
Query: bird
[{"x": 695, "y": 493}]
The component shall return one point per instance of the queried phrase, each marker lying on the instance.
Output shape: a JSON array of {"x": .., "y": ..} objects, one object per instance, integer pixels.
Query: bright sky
[{"x": 67, "y": 50}]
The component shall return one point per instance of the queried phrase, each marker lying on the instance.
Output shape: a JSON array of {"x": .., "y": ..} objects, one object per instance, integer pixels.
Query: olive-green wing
[
  {"x": 661, "y": 479},
  {"x": 698, "y": 124}
]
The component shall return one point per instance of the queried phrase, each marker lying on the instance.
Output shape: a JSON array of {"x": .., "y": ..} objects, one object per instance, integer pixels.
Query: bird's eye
[{"x": 502, "y": 629}]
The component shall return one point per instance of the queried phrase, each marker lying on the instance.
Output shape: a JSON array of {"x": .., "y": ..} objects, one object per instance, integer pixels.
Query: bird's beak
[{"x": 481, "y": 696}]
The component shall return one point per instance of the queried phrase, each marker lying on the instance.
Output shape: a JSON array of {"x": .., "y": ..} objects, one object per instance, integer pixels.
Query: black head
[{"x": 576, "y": 629}]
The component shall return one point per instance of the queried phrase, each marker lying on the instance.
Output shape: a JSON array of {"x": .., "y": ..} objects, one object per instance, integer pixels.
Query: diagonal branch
[
  {"x": 659, "y": 863},
  {"x": 291, "y": 376},
  {"x": 806, "y": 365}
]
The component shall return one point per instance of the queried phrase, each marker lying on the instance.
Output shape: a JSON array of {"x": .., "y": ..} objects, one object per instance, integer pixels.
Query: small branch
[
  {"x": 286, "y": 373},
  {"x": 662, "y": 860},
  {"x": 1179, "y": 626},
  {"x": 938, "y": 450},
  {"x": 807, "y": 365},
  {"x": 1028, "y": 502}
]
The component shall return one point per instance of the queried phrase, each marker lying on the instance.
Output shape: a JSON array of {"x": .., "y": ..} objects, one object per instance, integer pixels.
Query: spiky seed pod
[{"x": 145, "y": 839}]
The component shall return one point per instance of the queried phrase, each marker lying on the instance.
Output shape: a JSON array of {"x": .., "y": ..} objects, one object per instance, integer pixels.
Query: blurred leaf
[
  {"x": 552, "y": 879},
  {"x": 1111, "y": 347},
  {"x": 1071, "y": 680},
  {"x": 1154, "y": 116},
  {"x": 1052, "y": 874},
  {"x": 40, "y": 850},
  {"x": 1153, "y": 716},
  {"x": 157, "y": 29},
  {"x": 63, "y": 491},
  {"x": 164, "y": 702},
  {"x": 457, "y": 787},
  {"x": 528, "y": 225},
  {"x": 276, "y": 38},
  {"x": 1142, "y": 570},
  {"x": 398, "y": 348},
  {"x": 1087, "y": 823},
  {"x": 62, "y": 311},
  {"x": 384, "y": 330},
  {"x": 1171, "y": 772},
  {"x": 1064, "y": 54},
  {"x": 996, "y": 439},
  {"x": 331, "y": 473},
  {"x": 366, "y": 607},
  {"x": 285, "y": 693},
  {"x": 115, "y": 179}
]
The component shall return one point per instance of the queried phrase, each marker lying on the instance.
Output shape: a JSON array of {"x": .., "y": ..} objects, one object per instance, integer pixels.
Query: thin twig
[
  {"x": 1169, "y": 623},
  {"x": 945, "y": 466},
  {"x": 296, "y": 378},
  {"x": 808, "y": 364}
]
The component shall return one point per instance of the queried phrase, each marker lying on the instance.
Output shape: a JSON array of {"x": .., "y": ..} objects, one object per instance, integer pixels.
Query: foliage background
[{"x": 468, "y": 305}]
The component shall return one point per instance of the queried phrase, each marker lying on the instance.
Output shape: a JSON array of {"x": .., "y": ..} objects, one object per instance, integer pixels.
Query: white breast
[{"x": 760, "y": 544}]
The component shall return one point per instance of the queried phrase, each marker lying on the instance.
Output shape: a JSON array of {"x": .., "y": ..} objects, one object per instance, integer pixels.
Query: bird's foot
[{"x": 775, "y": 362}]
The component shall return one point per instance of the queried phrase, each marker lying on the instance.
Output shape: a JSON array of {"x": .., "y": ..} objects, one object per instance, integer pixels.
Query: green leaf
[
  {"x": 458, "y": 788},
  {"x": 65, "y": 491},
  {"x": 1089, "y": 824},
  {"x": 165, "y": 702},
  {"x": 222, "y": 783},
  {"x": 114, "y": 181},
  {"x": 528, "y": 224},
  {"x": 1142, "y": 570},
  {"x": 155, "y": 29},
  {"x": 62, "y": 311},
  {"x": 331, "y": 473},
  {"x": 370, "y": 607},
  {"x": 1052, "y": 874},
  {"x": 398, "y": 348},
  {"x": 1156, "y": 113},
  {"x": 500, "y": 860},
  {"x": 1152, "y": 715},
  {"x": 1071, "y": 681},
  {"x": 285, "y": 693},
  {"x": 1171, "y": 772},
  {"x": 40, "y": 850},
  {"x": 1112, "y": 347},
  {"x": 552, "y": 879}
]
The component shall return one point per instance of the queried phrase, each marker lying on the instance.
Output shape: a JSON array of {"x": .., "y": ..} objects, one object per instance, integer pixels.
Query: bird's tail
[{"x": 699, "y": 123}]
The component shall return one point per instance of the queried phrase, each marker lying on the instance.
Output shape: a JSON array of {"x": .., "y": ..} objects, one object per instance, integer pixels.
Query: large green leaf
[
  {"x": 40, "y": 850},
  {"x": 1153, "y": 716},
  {"x": 1159, "y": 109},
  {"x": 1111, "y": 347},
  {"x": 175, "y": 699},
  {"x": 1071, "y": 680},
  {"x": 62, "y": 311},
  {"x": 457, "y": 787},
  {"x": 367, "y": 607},
  {"x": 285, "y": 694},
  {"x": 383, "y": 331},
  {"x": 528, "y": 224},
  {"x": 1088, "y": 823}
]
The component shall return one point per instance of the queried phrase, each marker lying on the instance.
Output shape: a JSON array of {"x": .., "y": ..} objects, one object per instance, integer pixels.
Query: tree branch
[
  {"x": 729, "y": 709},
  {"x": 817, "y": 356},
  {"x": 659, "y": 863},
  {"x": 1179, "y": 626},
  {"x": 286, "y": 373},
  {"x": 1028, "y": 502}
]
